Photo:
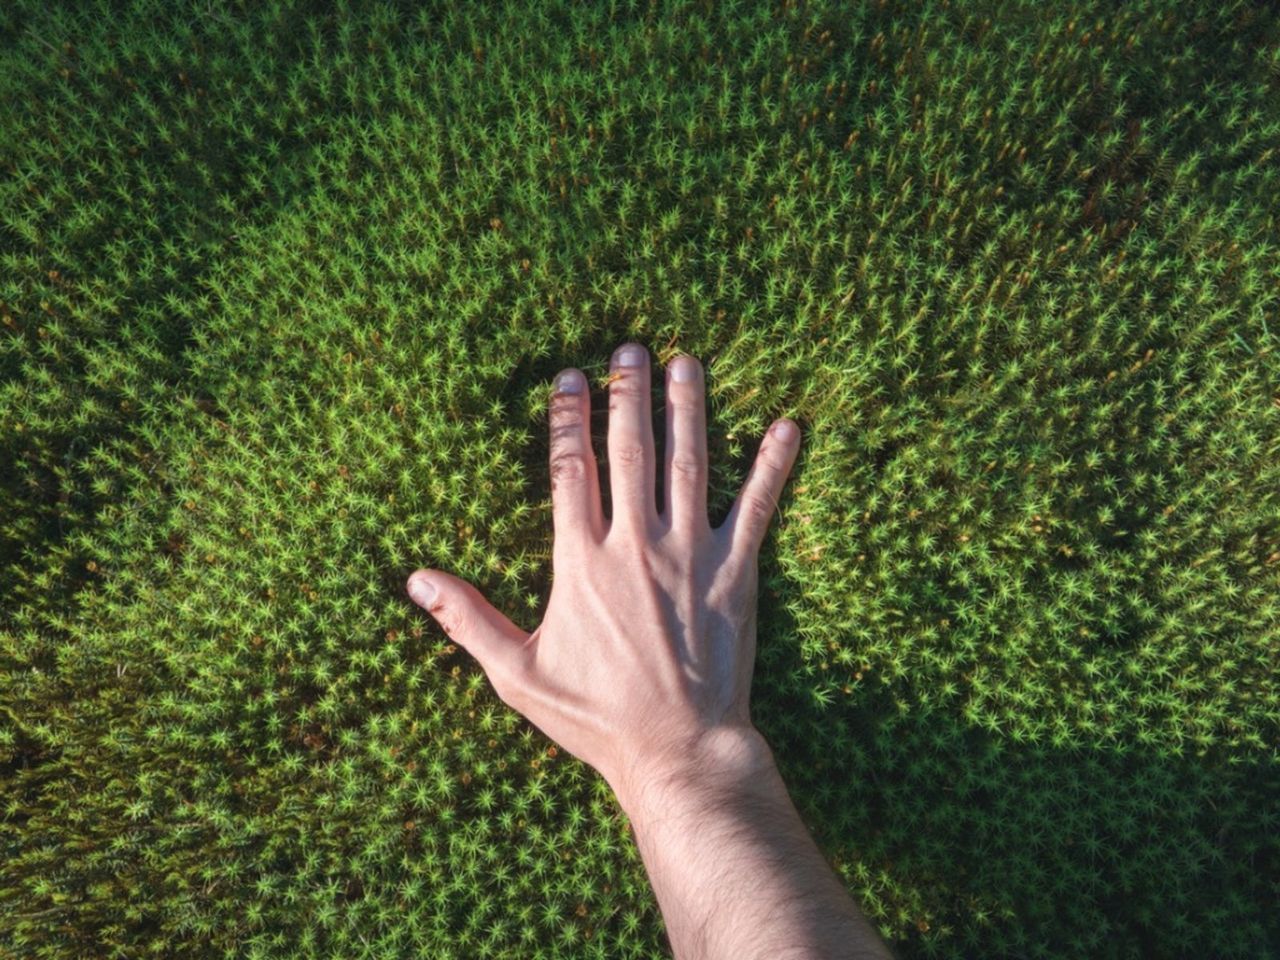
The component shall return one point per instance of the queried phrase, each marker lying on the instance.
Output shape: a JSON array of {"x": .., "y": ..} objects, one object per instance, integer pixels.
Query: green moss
[{"x": 282, "y": 295}]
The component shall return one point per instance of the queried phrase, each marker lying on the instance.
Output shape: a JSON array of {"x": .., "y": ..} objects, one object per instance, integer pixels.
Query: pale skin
[{"x": 642, "y": 669}]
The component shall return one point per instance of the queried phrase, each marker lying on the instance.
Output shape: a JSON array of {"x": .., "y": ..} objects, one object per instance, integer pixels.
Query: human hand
[{"x": 647, "y": 647}]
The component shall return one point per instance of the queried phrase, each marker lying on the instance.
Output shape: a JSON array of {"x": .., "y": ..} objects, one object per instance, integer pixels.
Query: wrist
[{"x": 719, "y": 760}]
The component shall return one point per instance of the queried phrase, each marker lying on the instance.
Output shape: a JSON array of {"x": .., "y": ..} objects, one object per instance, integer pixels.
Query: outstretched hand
[{"x": 648, "y": 643}]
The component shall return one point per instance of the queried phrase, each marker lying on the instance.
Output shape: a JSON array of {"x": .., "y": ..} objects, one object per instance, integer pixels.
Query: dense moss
[{"x": 282, "y": 290}]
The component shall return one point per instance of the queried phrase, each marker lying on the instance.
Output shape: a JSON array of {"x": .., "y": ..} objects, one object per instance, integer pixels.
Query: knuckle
[
  {"x": 686, "y": 401},
  {"x": 629, "y": 454},
  {"x": 757, "y": 506},
  {"x": 737, "y": 600},
  {"x": 568, "y": 467},
  {"x": 772, "y": 457},
  {"x": 566, "y": 408},
  {"x": 625, "y": 388},
  {"x": 452, "y": 620},
  {"x": 687, "y": 467}
]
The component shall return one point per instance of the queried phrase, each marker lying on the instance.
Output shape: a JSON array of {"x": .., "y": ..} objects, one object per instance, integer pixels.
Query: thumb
[{"x": 470, "y": 621}]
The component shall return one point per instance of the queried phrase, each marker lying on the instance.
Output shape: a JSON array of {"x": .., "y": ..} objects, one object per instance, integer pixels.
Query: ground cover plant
[{"x": 282, "y": 290}]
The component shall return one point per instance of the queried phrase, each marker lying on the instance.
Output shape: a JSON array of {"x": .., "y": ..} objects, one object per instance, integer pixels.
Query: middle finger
[{"x": 631, "y": 457}]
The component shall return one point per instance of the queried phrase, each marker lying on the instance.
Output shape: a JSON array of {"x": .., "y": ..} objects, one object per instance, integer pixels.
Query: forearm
[{"x": 734, "y": 869}]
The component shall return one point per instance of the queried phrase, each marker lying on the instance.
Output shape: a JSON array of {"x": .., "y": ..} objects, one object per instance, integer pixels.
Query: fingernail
[
  {"x": 422, "y": 591},
  {"x": 684, "y": 370},
  {"x": 785, "y": 430},
  {"x": 569, "y": 382},
  {"x": 631, "y": 355}
]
